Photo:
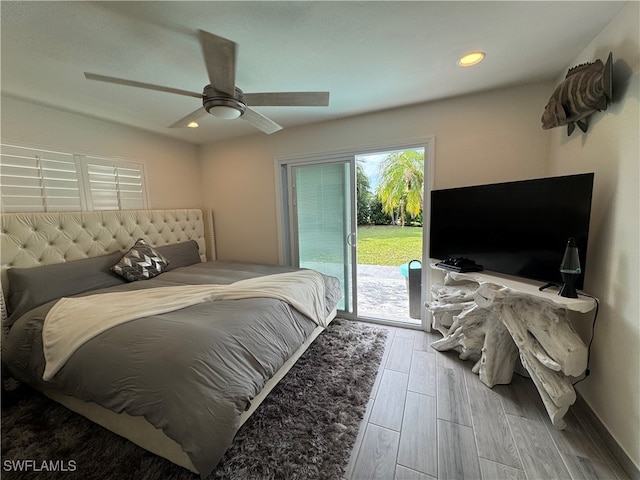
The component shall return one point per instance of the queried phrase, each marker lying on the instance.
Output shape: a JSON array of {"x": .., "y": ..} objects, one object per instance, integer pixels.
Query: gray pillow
[
  {"x": 141, "y": 262},
  {"x": 180, "y": 254},
  {"x": 32, "y": 287}
]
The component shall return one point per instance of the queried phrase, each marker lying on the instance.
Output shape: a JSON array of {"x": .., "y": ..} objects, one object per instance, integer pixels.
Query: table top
[{"x": 583, "y": 304}]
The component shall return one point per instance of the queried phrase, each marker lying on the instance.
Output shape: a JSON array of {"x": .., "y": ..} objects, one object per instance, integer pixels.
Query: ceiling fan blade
[
  {"x": 192, "y": 117},
  {"x": 287, "y": 99},
  {"x": 148, "y": 86},
  {"x": 261, "y": 122},
  {"x": 220, "y": 59}
]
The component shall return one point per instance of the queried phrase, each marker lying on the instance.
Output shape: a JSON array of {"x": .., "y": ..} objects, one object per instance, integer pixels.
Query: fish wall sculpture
[{"x": 587, "y": 88}]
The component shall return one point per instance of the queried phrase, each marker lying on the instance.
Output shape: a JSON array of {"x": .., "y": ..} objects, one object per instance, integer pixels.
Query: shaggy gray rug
[{"x": 305, "y": 429}]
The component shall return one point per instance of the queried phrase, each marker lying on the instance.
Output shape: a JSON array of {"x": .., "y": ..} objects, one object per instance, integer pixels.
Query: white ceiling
[{"x": 370, "y": 55}]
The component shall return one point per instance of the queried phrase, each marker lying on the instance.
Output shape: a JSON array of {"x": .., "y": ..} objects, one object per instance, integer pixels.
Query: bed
[{"x": 174, "y": 355}]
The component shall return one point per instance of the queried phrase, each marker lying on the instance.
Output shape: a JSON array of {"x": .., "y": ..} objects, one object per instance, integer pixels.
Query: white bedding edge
[{"x": 139, "y": 431}]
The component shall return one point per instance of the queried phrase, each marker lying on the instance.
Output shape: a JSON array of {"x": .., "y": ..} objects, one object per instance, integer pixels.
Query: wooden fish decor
[{"x": 587, "y": 88}]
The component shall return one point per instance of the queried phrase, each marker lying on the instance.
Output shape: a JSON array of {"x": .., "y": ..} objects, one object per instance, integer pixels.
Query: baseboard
[{"x": 596, "y": 428}]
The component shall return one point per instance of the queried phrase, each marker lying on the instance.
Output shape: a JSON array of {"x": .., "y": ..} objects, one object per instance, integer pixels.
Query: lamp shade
[
  {"x": 570, "y": 261},
  {"x": 570, "y": 269}
]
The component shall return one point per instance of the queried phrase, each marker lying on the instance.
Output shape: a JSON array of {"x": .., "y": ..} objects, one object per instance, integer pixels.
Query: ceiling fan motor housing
[{"x": 214, "y": 98}]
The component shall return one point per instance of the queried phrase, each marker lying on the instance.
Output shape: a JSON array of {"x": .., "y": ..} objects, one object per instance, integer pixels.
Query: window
[
  {"x": 39, "y": 180},
  {"x": 114, "y": 185}
]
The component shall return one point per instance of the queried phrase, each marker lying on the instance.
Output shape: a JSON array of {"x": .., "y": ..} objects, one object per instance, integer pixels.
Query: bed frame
[{"x": 35, "y": 239}]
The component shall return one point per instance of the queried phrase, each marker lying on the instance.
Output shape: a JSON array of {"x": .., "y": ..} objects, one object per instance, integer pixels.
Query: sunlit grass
[{"x": 389, "y": 245}]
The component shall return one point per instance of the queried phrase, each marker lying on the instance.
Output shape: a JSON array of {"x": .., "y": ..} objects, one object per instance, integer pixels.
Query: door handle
[{"x": 350, "y": 238}]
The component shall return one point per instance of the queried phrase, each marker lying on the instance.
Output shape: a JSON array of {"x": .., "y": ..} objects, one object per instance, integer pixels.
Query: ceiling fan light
[
  {"x": 193, "y": 124},
  {"x": 471, "y": 58},
  {"x": 225, "y": 112},
  {"x": 221, "y": 105}
]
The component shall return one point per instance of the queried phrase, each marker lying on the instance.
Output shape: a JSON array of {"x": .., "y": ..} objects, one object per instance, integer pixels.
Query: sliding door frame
[{"x": 282, "y": 166}]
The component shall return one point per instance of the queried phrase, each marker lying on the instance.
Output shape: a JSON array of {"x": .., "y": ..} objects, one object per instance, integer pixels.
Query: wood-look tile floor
[{"x": 430, "y": 417}]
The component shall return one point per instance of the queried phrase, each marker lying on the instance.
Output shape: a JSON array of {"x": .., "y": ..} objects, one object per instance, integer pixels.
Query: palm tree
[
  {"x": 363, "y": 195},
  {"x": 401, "y": 180}
]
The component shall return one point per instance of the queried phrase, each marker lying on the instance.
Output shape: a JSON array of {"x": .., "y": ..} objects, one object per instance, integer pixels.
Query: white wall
[
  {"x": 171, "y": 167},
  {"x": 611, "y": 149},
  {"x": 487, "y": 137}
]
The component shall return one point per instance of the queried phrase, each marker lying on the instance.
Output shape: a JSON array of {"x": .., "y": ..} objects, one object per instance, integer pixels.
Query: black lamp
[{"x": 570, "y": 270}]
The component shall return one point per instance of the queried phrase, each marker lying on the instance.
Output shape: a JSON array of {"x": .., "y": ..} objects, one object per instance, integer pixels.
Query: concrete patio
[
  {"x": 382, "y": 293},
  {"x": 382, "y": 290}
]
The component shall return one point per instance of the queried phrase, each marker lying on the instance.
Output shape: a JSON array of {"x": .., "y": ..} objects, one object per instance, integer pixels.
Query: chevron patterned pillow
[{"x": 141, "y": 262}]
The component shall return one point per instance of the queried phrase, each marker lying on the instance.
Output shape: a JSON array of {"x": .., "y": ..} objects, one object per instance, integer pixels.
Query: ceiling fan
[{"x": 221, "y": 97}]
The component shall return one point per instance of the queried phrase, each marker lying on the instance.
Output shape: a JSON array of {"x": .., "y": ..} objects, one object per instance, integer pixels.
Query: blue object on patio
[{"x": 404, "y": 268}]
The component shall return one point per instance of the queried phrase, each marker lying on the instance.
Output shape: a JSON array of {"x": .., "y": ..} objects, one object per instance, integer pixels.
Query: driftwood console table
[{"x": 494, "y": 319}]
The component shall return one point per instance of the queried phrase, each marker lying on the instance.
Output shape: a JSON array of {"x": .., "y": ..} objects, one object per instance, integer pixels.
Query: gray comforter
[{"x": 190, "y": 372}]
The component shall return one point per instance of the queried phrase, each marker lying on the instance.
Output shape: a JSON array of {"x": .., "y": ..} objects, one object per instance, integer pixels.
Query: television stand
[{"x": 495, "y": 319}]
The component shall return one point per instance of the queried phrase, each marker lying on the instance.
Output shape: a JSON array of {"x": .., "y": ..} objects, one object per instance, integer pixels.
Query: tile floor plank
[
  {"x": 404, "y": 473},
  {"x": 400, "y": 354},
  {"x": 607, "y": 447},
  {"x": 388, "y": 407},
  {"x": 587, "y": 468},
  {"x": 451, "y": 359},
  {"x": 453, "y": 402},
  {"x": 359, "y": 439},
  {"x": 491, "y": 429},
  {"x": 377, "y": 456},
  {"x": 406, "y": 332},
  {"x": 457, "y": 454},
  {"x": 520, "y": 398},
  {"x": 422, "y": 377},
  {"x": 574, "y": 439},
  {"x": 496, "y": 471},
  {"x": 540, "y": 458},
  {"x": 419, "y": 435},
  {"x": 422, "y": 341}
]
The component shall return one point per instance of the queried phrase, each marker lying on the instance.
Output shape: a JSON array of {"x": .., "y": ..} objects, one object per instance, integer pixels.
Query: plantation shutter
[
  {"x": 36, "y": 180},
  {"x": 115, "y": 185}
]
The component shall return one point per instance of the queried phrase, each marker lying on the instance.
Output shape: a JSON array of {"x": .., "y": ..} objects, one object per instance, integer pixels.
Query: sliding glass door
[
  {"x": 323, "y": 222},
  {"x": 334, "y": 216}
]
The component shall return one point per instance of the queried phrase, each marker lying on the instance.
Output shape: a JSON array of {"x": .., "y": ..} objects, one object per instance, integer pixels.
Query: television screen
[{"x": 517, "y": 228}]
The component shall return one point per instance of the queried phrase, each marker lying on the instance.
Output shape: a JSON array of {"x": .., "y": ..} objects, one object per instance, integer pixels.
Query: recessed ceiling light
[
  {"x": 471, "y": 58},
  {"x": 193, "y": 125}
]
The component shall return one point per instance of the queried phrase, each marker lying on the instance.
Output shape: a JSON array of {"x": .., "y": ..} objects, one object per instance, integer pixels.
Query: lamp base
[{"x": 568, "y": 288}]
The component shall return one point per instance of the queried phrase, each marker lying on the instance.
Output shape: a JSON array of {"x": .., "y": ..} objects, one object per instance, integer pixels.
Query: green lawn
[{"x": 389, "y": 245}]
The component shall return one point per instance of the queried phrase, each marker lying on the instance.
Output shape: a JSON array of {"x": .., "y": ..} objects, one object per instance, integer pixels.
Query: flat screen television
[{"x": 516, "y": 228}]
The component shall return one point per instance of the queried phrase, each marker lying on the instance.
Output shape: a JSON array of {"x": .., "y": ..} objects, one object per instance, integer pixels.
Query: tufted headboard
[{"x": 35, "y": 239}]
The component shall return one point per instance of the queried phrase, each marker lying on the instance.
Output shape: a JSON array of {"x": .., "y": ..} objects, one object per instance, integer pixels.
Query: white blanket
[{"x": 74, "y": 321}]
